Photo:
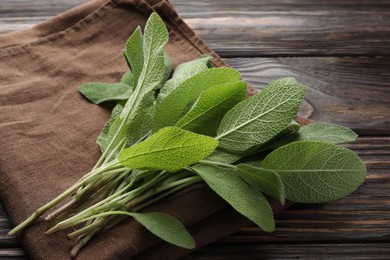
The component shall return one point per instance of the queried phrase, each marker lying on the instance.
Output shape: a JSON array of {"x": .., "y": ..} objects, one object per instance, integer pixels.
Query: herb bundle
[{"x": 170, "y": 130}]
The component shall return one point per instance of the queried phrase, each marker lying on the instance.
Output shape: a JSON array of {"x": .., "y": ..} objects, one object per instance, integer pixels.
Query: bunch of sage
[{"x": 169, "y": 130}]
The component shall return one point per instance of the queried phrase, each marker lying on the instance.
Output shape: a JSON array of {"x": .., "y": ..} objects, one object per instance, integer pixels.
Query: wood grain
[
  {"x": 291, "y": 28},
  {"x": 256, "y": 28},
  {"x": 325, "y": 251},
  {"x": 351, "y": 91}
]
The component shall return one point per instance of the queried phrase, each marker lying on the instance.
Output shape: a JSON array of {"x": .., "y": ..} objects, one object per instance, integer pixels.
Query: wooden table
[{"x": 341, "y": 50}]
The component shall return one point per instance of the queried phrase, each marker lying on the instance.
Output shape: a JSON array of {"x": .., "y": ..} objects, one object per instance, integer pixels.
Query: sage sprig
[{"x": 170, "y": 130}]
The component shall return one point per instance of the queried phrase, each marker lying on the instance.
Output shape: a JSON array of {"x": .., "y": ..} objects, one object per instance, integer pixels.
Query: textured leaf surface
[
  {"x": 155, "y": 38},
  {"x": 246, "y": 199},
  {"x": 330, "y": 133},
  {"x": 167, "y": 70},
  {"x": 183, "y": 72},
  {"x": 173, "y": 107},
  {"x": 128, "y": 79},
  {"x": 266, "y": 180},
  {"x": 142, "y": 123},
  {"x": 223, "y": 157},
  {"x": 314, "y": 172},
  {"x": 104, "y": 139},
  {"x": 293, "y": 127},
  {"x": 208, "y": 111},
  {"x": 192, "y": 67},
  {"x": 102, "y": 92},
  {"x": 258, "y": 119},
  {"x": 134, "y": 53},
  {"x": 149, "y": 69},
  {"x": 171, "y": 148},
  {"x": 166, "y": 227},
  {"x": 137, "y": 126}
]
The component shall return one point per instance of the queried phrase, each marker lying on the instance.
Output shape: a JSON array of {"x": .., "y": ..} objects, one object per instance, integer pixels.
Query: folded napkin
[{"x": 48, "y": 130}]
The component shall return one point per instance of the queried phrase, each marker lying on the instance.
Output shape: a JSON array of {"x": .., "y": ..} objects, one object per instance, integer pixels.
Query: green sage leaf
[
  {"x": 104, "y": 138},
  {"x": 330, "y": 133},
  {"x": 173, "y": 107},
  {"x": 247, "y": 200},
  {"x": 128, "y": 79},
  {"x": 146, "y": 59},
  {"x": 314, "y": 172},
  {"x": 136, "y": 128},
  {"x": 266, "y": 180},
  {"x": 166, "y": 227},
  {"x": 155, "y": 38},
  {"x": 167, "y": 70},
  {"x": 134, "y": 54},
  {"x": 223, "y": 157},
  {"x": 141, "y": 126},
  {"x": 161, "y": 225},
  {"x": 206, "y": 114},
  {"x": 102, "y": 92},
  {"x": 192, "y": 67},
  {"x": 183, "y": 72},
  {"x": 258, "y": 119},
  {"x": 152, "y": 73},
  {"x": 171, "y": 149}
]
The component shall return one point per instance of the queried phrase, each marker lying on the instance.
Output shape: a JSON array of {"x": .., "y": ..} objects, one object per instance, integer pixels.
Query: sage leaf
[
  {"x": 183, "y": 72},
  {"x": 98, "y": 93},
  {"x": 128, "y": 79},
  {"x": 330, "y": 133},
  {"x": 152, "y": 73},
  {"x": 173, "y": 107},
  {"x": 314, "y": 172},
  {"x": 206, "y": 114},
  {"x": 146, "y": 60},
  {"x": 167, "y": 70},
  {"x": 104, "y": 138},
  {"x": 223, "y": 157},
  {"x": 258, "y": 119},
  {"x": 247, "y": 200},
  {"x": 293, "y": 127},
  {"x": 286, "y": 136},
  {"x": 134, "y": 54},
  {"x": 254, "y": 163},
  {"x": 141, "y": 126},
  {"x": 170, "y": 149},
  {"x": 266, "y": 180},
  {"x": 155, "y": 38},
  {"x": 192, "y": 67},
  {"x": 161, "y": 225},
  {"x": 136, "y": 128},
  {"x": 166, "y": 227}
]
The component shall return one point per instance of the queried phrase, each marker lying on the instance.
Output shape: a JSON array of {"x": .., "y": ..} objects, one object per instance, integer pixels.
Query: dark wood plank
[
  {"x": 324, "y": 251},
  {"x": 354, "y": 92},
  {"x": 257, "y": 28},
  {"x": 25, "y": 8},
  {"x": 5, "y": 226},
  {"x": 194, "y": 8},
  {"x": 291, "y": 28},
  {"x": 22, "y": 14},
  {"x": 12, "y": 253}
]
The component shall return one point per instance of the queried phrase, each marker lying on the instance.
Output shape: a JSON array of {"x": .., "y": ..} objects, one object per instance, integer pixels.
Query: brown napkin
[{"x": 48, "y": 130}]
